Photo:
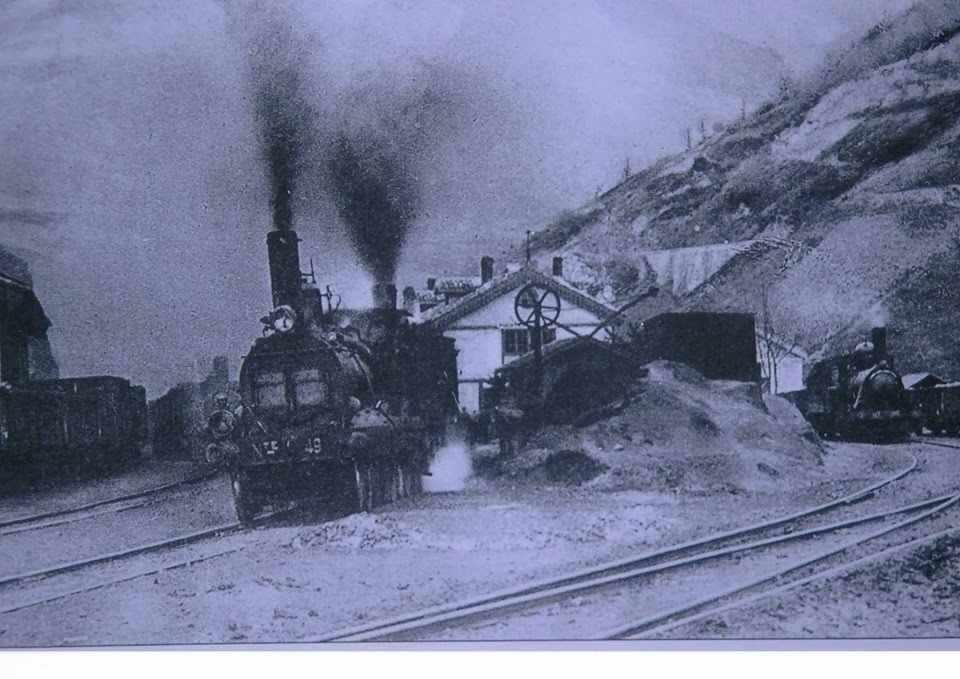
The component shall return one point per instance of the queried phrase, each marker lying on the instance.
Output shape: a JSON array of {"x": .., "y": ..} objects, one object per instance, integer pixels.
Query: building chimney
[
  {"x": 879, "y": 338},
  {"x": 385, "y": 296},
  {"x": 558, "y": 267},
  {"x": 410, "y": 300},
  {"x": 486, "y": 270}
]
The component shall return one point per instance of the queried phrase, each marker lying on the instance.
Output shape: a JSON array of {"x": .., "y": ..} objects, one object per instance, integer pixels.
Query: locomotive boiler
[
  {"x": 859, "y": 395},
  {"x": 336, "y": 405}
]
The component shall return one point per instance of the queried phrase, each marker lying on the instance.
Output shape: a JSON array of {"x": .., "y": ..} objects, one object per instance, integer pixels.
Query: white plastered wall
[{"x": 479, "y": 344}]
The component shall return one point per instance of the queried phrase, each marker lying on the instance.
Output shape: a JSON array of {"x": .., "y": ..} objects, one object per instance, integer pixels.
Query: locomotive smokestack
[
  {"x": 385, "y": 296},
  {"x": 283, "y": 253},
  {"x": 879, "y": 338}
]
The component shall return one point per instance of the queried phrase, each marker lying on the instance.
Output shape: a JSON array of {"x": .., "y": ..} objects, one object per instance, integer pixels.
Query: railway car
[
  {"x": 337, "y": 405},
  {"x": 860, "y": 395},
  {"x": 938, "y": 407},
  {"x": 53, "y": 427}
]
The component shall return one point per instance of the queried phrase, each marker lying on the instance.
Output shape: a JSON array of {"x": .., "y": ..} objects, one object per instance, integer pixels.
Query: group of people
[
  {"x": 503, "y": 424},
  {"x": 477, "y": 429}
]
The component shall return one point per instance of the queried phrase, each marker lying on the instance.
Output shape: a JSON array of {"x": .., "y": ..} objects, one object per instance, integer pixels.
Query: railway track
[
  {"x": 40, "y": 576},
  {"x": 121, "y": 554},
  {"x": 938, "y": 444},
  {"x": 802, "y": 572},
  {"x": 37, "y": 579},
  {"x": 108, "y": 505},
  {"x": 472, "y": 613},
  {"x": 789, "y": 528},
  {"x": 137, "y": 573},
  {"x": 34, "y": 577},
  {"x": 703, "y": 609},
  {"x": 777, "y": 531}
]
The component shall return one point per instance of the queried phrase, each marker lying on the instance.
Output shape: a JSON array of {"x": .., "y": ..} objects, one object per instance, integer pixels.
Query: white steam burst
[
  {"x": 450, "y": 469},
  {"x": 879, "y": 316}
]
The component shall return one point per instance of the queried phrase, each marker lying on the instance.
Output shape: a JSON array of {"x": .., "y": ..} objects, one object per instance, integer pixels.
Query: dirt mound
[{"x": 681, "y": 432}]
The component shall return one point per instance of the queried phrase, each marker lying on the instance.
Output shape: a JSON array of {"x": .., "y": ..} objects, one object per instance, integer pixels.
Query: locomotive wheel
[{"x": 245, "y": 506}]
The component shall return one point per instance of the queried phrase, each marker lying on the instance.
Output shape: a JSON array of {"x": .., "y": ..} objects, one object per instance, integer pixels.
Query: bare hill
[{"x": 848, "y": 185}]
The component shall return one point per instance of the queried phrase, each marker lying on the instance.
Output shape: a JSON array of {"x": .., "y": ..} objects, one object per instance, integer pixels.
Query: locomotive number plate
[
  {"x": 267, "y": 447},
  {"x": 313, "y": 446},
  {"x": 271, "y": 447}
]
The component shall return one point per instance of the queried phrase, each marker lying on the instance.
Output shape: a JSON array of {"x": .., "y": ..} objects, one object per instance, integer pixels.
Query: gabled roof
[
  {"x": 444, "y": 316},
  {"x": 920, "y": 380}
]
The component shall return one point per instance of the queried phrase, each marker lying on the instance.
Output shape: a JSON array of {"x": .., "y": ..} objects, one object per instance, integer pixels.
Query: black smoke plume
[
  {"x": 375, "y": 192},
  {"x": 284, "y": 116},
  {"x": 358, "y": 141},
  {"x": 388, "y": 130}
]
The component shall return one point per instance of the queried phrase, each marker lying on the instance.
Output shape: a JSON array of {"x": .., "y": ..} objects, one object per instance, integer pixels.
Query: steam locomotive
[
  {"x": 860, "y": 395},
  {"x": 336, "y": 405}
]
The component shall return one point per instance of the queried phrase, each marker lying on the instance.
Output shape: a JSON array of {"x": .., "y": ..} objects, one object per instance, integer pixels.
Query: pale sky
[{"x": 132, "y": 178}]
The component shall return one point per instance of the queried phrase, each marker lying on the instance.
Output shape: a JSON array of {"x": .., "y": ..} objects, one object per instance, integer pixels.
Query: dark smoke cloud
[
  {"x": 373, "y": 168},
  {"x": 376, "y": 195},
  {"x": 284, "y": 114},
  {"x": 362, "y": 144}
]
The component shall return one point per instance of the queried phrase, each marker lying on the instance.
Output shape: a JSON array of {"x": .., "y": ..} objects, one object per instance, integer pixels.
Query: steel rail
[
  {"x": 100, "y": 585},
  {"x": 134, "y": 551},
  {"x": 841, "y": 569},
  {"x": 113, "y": 500},
  {"x": 938, "y": 444},
  {"x": 652, "y": 623},
  {"x": 588, "y": 578},
  {"x": 104, "y": 510}
]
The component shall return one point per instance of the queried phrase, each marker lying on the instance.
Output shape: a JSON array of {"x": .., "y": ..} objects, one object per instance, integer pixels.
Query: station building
[{"x": 488, "y": 334}]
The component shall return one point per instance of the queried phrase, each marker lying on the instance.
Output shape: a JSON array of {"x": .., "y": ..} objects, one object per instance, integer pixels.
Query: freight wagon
[{"x": 50, "y": 428}]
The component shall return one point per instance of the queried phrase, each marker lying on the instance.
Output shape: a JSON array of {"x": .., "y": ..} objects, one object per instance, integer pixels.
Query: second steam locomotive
[
  {"x": 859, "y": 395},
  {"x": 336, "y": 404}
]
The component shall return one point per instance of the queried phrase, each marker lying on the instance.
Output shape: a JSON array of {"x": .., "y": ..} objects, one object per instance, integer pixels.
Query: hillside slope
[{"x": 850, "y": 183}]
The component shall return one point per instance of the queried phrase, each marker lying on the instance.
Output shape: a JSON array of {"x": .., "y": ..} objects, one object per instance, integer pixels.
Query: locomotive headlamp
[
  {"x": 284, "y": 318},
  {"x": 221, "y": 424}
]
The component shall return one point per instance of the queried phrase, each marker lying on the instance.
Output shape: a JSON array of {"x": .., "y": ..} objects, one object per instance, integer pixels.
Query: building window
[{"x": 517, "y": 341}]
